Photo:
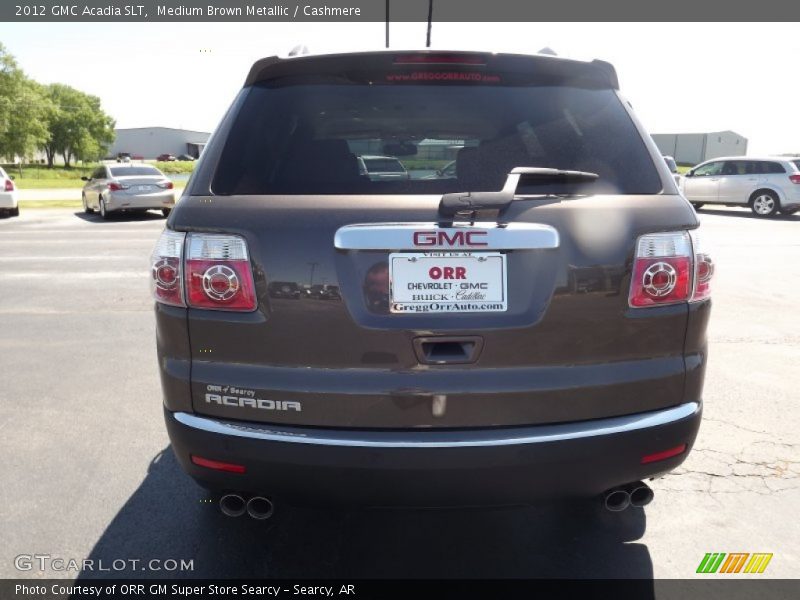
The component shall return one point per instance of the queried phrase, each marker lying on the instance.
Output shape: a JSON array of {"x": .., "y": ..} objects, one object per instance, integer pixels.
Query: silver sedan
[{"x": 128, "y": 187}]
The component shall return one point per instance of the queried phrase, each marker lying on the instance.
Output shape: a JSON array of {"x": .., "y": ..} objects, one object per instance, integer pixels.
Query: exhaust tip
[
  {"x": 616, "y": 500},
  {"x": 260, "y": 508},
  {"x": 641, "y": 494},
  {"x": 232, "y": 505}
]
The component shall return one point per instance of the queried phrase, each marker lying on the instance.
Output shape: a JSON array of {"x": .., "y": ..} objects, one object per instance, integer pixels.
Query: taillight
[
  {"x": 669, "y": 268},
  {"x": 218, "y": 274},
  {"x": 115, "y": 186},
  {"x": 794, "y": 178},
  {"x": 167, "y": 185},
  {"x": 166, "y": 280},
  {"x": 9, "y": 186},
  {"x": 448, "y": 58},
  {"x": 662, "y": 270},
  {"x": 703, "y": 269}
]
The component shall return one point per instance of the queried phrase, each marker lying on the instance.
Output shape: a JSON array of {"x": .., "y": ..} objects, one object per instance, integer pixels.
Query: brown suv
[{"x": 533, "y": 326}]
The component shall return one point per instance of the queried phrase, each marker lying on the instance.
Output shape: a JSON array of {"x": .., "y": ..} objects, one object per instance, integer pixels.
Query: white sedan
[
  {"x": 8, "y": 195},
  {"x": 127, "y": 187}
]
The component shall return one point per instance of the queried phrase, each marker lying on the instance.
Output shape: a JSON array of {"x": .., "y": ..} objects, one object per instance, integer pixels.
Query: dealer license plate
[{"x": 448, "y": 282}]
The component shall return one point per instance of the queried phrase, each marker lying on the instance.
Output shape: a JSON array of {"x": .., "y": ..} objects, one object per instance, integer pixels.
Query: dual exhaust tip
[
  {"x": 235, "y": 505},
  {"x": 637, "y": 494}
]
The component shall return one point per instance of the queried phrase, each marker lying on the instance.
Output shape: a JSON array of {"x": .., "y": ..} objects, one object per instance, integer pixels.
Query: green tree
[
  {"x": 78, "y": 127},
  {"x": 23, "y": 110}
]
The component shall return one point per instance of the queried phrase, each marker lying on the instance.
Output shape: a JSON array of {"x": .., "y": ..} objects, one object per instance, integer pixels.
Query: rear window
[
  {"x": 383, "y": 165},
  {"x": 306, "y": 138},
  {"x": 133, "y": 171},
  {"x": 763, "y": 167},
  {"x": 797, "y": 164}
]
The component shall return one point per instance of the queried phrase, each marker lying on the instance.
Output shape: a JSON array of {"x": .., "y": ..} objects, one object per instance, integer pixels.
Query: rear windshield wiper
[{"x": 471, "y": 202}]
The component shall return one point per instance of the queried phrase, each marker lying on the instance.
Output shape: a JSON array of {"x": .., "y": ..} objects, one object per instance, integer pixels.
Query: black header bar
[{"x": 400, "y": 11}]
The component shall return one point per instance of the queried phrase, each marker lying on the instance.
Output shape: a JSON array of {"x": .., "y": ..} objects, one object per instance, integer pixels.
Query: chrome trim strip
[
  {"x": 443, "y": 439},
  {"x": 400, "y": 236}
]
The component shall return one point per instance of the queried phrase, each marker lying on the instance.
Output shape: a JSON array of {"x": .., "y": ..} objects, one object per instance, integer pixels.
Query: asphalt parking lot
[{"x": 87, "y": 471}]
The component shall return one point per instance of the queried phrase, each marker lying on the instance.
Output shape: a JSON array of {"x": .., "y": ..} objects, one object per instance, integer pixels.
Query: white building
[
  {"x": 693, "y": 148},
  {"x": 150, "y": 142}
]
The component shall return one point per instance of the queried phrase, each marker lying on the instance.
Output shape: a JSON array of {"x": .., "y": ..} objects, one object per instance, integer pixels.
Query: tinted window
[
  {"x": 305, "y": 138},
  {"x": 99, "y": 173},
  {"x": 135, "y": 171},
  {"x": 736, "y": 167},
  {"x": 796, "y": 163},
  {"x": 714, "y": 168},
  {"x": 773, "y": 167}
]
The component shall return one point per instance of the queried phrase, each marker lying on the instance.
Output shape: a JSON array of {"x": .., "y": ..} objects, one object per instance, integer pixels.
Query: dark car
[
  {"x": 534, "y": 327},
  {"x": 166, "y": 158},
  {"x": 324, "y": 292},
  {"x": 673, "y": 168},
  {"x": 284, "y": 289}
]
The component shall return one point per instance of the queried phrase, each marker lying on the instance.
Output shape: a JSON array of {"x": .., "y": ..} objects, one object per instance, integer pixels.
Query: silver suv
[{"x": 766, "y": 185}]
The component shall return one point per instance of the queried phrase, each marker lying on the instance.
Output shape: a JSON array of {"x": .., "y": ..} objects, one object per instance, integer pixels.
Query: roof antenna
[
  {"x": 387, "y": 23},
  {"x": 430, "y": 20}
]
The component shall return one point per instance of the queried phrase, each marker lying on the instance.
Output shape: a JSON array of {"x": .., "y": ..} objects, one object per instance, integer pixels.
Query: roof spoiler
[{"x": 598, "y": 72}]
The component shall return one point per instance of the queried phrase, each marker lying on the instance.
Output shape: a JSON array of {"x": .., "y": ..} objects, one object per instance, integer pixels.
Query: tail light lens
[
  {"x": 794, "y": 178},
  {"x": 218, "y": 273},
  {"x": 669, "y": 268},
  {"x": 166, "y": 281},
  {"x": 167, "y": 185},
  {"x": 703, "y": 269},
  {"x": 115, "y": 186},
  {"x": 662, "y": 270},
  {"x": 9, "y": 186}
]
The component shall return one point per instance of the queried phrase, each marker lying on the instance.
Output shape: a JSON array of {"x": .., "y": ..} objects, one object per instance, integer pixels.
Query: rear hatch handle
[{"x": 448, "y": 350}]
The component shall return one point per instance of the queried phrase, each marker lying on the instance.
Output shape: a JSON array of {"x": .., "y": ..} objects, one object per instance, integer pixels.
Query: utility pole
[{"x": 313, "y": 266}]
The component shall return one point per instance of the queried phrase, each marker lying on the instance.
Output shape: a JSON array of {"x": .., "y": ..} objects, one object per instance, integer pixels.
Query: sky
[{"x": 680, "y": 77}]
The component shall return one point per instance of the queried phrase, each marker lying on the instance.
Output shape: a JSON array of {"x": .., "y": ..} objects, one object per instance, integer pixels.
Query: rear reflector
[
  {"x": 794, "y": 178},
  {"x": 663, "y": 455},
  {"x": 116, "y": 187},
  {"x": 9, "y": 186},
  {"x": 218, "y": 273},
  {"x": 440, "y": 58},
  {"x": 167, "y": 185},
  {"x": 217, "y": 465}
]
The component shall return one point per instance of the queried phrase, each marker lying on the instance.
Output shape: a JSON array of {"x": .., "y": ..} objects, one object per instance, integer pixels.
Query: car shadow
[
  {"x": 169, "y": 517},
  {"x": 745, "y": 214},
  {"x": 121, "y": 217}
]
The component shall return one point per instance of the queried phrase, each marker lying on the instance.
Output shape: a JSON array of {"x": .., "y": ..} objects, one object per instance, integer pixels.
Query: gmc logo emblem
[{"x": 457, "y": 238}]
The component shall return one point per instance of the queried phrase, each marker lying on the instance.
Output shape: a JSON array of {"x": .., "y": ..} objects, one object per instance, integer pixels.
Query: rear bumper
[
  {"x": 123, "y": 201},
  {"x": 500, "y": 466},
  {"x": 8, "y": 200}
]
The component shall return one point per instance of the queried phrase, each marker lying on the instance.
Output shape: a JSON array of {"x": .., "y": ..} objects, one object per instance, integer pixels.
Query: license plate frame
[{"x": 442, "y": 291}]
